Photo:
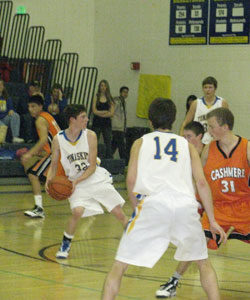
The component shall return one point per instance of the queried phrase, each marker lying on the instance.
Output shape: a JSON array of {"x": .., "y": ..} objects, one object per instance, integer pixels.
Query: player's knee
[
  {"x": 32, "y": 177},
  {"x": 77, "y": 212},
  {"x": 117, "y": 210},
  {"x": 203, "y": 263},
  {"x": 119, "y": 268}
]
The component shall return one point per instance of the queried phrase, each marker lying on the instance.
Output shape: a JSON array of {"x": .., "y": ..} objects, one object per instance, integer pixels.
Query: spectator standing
[
  {"x": 103, "y": 109},
  {"x": 8, "y": 116},
  {"x": 55, "y": 104},
  {"x": 119, "y": 121}
]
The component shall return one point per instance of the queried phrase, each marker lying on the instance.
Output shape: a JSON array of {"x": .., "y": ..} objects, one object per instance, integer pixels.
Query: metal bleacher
[
  {"x": 26, "y": 56},
  {"x": 30, "y": 57}
]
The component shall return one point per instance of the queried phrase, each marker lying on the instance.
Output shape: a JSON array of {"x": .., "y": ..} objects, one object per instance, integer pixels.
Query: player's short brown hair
[
  {"x": 210, "y": 80},
  {"x": 162, "y": 113},
  {"x": 223, "y": 116}
]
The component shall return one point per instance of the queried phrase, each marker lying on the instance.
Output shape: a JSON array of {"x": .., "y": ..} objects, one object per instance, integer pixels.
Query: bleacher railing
[
  {"x": 16, "y": 41},
  {"x": 51, "y": 53},
  {"x": 65, "y": 72},
  {"x": 85, "y": 87},
  {"x": 33, "y": 44},
  {"x": 30, "y": 58},
  {"x": 5, "y": 18}
]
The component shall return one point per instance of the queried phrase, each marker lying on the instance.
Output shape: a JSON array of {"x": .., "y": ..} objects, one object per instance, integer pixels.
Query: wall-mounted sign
[
  {"x": 229, "y": 21},
  {"x": 188, "y": 22},
  {"x": 209, "y": 21}
]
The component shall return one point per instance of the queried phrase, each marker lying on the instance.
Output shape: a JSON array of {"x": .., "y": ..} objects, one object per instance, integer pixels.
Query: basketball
[{"x": 60, "y": 188}]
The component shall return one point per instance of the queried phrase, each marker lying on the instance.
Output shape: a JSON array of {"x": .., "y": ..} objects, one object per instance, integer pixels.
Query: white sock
[
  {"x": 38, "y": 200},
  {"x": 177, "y": 275},
  {"x": 68, "y": 236}
]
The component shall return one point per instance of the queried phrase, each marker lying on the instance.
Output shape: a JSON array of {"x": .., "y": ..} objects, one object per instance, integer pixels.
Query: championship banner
[
  {"x": 188, "y": 22},
  {"x": 151, "y": 87},
  {"x": 229, "y": 22}
]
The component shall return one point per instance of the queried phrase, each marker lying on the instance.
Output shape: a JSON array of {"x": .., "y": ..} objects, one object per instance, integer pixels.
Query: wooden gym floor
[{"x": 29, "y": 269}]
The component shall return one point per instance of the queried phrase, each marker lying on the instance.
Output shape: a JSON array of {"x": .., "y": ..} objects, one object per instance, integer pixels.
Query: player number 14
[{"x": 170, "y": 149}]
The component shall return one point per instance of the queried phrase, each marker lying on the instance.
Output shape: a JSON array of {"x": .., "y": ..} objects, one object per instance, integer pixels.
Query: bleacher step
[{"x": 13, "y": 168}]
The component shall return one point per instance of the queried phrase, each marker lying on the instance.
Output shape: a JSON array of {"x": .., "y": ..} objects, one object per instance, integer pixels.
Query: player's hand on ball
[
  {"x": 59, "y": 188},
  {"x": 47, "y": 185}
]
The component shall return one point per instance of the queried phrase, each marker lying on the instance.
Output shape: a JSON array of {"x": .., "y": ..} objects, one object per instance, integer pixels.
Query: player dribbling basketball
[
  {"x": 77, "y": 148},
  {"x": 60, "y": 188}
]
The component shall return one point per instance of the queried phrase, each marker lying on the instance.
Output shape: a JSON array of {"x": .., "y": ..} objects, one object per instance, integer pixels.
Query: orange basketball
[{"x": 60, "y": 188}]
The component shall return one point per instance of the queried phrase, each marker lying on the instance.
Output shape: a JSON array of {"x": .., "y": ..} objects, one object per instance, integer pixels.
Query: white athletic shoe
[
  {"x": 37, "y": 212},
  {"x": 168, "y": 289},
  {"x": 64, "y": 250},
  {"x": 17, "y": 140}
]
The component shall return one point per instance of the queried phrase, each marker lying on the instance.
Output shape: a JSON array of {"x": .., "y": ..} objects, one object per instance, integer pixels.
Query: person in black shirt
[{"x": 103, "y": 109}]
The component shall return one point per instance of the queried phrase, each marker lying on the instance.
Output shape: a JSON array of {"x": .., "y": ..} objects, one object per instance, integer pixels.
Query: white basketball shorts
[
  {"x": 94, "y": 191},
  {"x": 157, "y": 221}
]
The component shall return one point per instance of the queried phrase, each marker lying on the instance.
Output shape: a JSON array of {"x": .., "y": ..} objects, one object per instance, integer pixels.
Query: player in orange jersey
[
  {"x": 37, "y": 159},
  {"x": 226, "y": 166}
]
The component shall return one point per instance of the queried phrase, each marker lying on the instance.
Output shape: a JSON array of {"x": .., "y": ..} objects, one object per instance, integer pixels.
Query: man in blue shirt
[{"x": 8, "y": 116}]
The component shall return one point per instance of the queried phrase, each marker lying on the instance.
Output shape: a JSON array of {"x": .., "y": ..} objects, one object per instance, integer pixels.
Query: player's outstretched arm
[
  {"x": 189, "y": 116},
  {"x": 204, "y": 155},
  {"x": 54, "y": 161},
  {"x": 248, "y": 153},
  {"x": 132, "y": 171},
  {"x": 205, "y": 193}
]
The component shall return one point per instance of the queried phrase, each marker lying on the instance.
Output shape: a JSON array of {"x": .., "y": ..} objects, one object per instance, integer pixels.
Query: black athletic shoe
[
  {"x": 37, "y": 212},
  {"x": 168, "y": 289}
]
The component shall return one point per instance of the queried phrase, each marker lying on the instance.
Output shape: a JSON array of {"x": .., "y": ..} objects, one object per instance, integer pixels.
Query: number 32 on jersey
[{"x": 170, "y": 149}]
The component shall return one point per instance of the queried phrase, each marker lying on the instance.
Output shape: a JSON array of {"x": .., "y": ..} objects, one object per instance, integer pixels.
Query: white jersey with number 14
[{"x": 164, "y": 164}]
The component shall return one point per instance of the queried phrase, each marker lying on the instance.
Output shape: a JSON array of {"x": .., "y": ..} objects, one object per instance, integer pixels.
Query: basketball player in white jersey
[
  {"x": 92, "y": 185},
  {"x": 160, "y": 167},
  {"x": 193, "y": 133},
  {"x": 202, "y": 106}
]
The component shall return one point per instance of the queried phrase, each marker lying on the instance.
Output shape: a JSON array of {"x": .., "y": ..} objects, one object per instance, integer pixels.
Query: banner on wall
[
  {"x": 188, "y": 22},
  {"x": 151, "y": 87},
  {"x": 199, "y": 22},
  {"x": 229, "y": 21}
]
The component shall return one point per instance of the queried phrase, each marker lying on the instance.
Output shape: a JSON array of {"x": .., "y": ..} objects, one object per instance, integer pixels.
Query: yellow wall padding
[{"x": 151, "y": 87}]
